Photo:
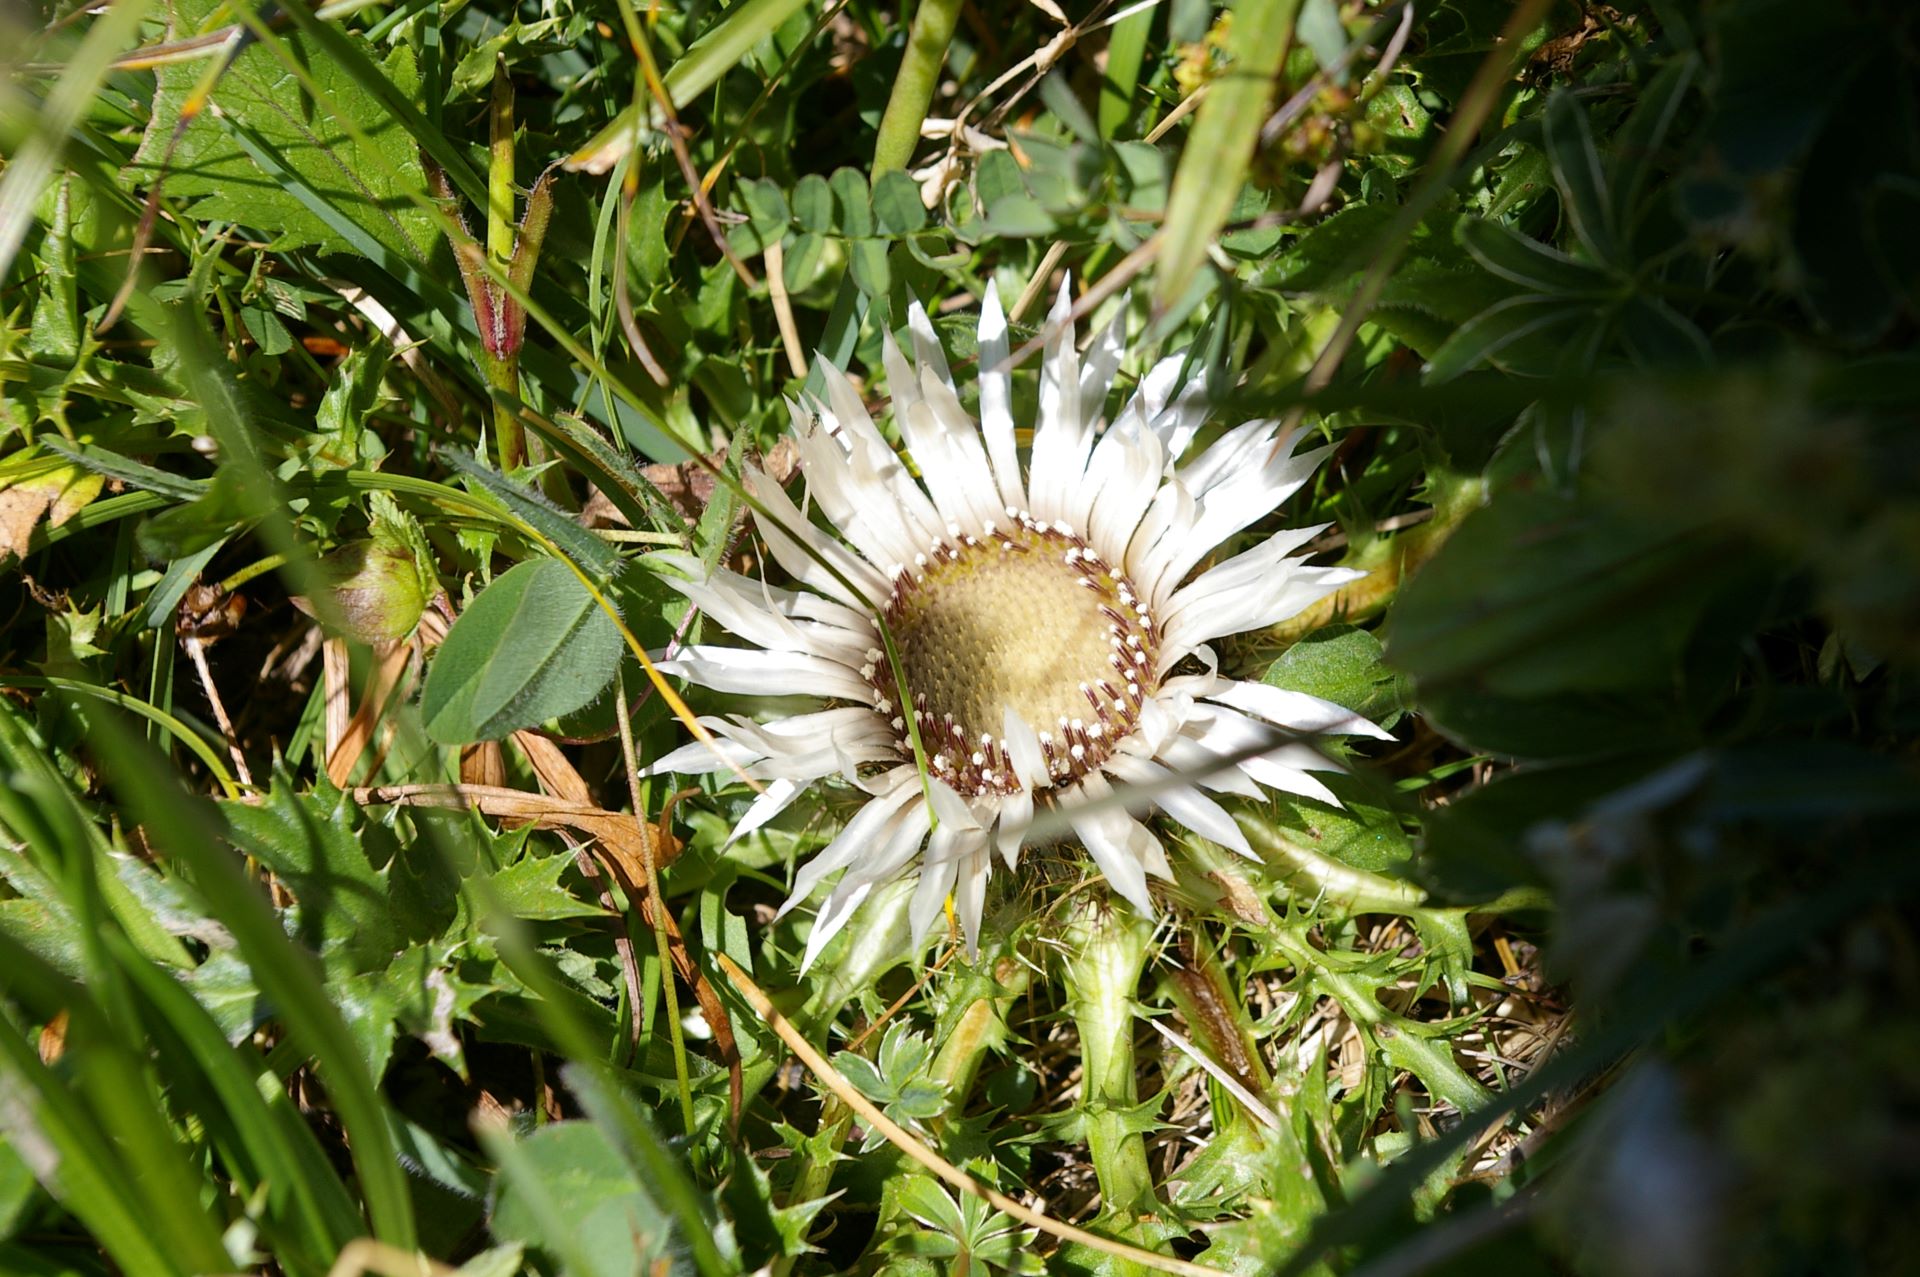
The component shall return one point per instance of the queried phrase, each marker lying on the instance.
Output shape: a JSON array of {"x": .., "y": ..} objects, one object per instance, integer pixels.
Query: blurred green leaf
[
  {"x": 1539, "y": 593},
  {"x": 566, "y": 1191}
]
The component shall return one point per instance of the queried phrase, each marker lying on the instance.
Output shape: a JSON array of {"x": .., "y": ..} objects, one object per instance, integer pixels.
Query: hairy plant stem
[
  {"x": 503, "y": 369},
  {"x": 933, "y": 24},
  {"x": 1106, "y": 946},
  {"x": 980, "y": 1027}
]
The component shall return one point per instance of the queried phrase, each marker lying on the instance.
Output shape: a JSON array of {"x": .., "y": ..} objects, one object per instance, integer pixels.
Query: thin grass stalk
[
  {"x": 656, "y": 909},
  {"x": 1126, "y": 53}
]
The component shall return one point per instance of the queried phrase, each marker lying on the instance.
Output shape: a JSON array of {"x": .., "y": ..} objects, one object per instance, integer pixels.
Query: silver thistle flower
[{"x": 1040, "y": 617}]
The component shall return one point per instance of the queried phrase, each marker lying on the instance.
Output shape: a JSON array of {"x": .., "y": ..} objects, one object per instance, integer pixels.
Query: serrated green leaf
[
  {"x": 366, "y": 1004},
  {"x": 372, "y": 187},
  {"x": 531, "y": 889},
  {"x": 54, "y": 333},
  {"x": 1346, "y": 665},
  {"x": 311, "y": 844},
  {"x": 1358, "y": 834},
  {"x": 225, "y": 987},
  {"x": 428, "y": 996},
  {"x": 534, "y": 645}
]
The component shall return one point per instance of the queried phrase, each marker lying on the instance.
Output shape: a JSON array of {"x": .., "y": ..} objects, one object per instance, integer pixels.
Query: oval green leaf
[{"x": 532, "y": 646}]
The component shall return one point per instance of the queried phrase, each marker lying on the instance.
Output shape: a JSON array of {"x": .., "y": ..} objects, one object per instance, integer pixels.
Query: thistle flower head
[{"x": 1049, "y": 630}]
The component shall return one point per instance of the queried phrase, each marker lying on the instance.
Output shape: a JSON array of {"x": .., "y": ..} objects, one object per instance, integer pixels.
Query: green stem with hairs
[
  {"x": 502, "y": 370},
  {"x": 979, "y": 1027},
  {"x": 913, "y": 86},
  {"x": 1106, "y": 944}
]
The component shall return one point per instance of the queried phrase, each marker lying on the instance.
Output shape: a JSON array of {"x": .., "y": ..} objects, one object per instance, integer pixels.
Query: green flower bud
[
  {"x": 377, "y": 589},
  {"x": 373, "y": 591}
]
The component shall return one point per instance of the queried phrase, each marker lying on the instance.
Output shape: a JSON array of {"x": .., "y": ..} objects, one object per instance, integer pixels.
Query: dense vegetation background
[{"x": 1606, "y": 966}]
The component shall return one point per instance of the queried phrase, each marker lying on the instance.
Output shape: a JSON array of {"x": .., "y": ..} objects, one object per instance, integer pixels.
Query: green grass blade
[
  {"x": 306, "y": 1210},
  {"x": 202, "y": 750},
  {"x": 110, "y": 1113},
  {"x": 188, "y": 832},
  {"x": 1126, "y": 53},
  {"x": 1225, "y": 129},
  {"x": 78, "y": 1164},
  {"x": 42, "y": 811},
  {"x": 32, "y": 167}
]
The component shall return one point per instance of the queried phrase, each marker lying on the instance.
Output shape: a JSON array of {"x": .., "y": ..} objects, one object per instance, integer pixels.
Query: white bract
[{"x": 1039, "y": 617}]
